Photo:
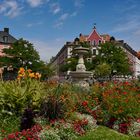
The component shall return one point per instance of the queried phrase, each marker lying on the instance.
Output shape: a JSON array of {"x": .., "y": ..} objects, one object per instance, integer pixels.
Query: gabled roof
[
  {"x": 10, "y": 40},
  {"x": 94, "y": 35}
]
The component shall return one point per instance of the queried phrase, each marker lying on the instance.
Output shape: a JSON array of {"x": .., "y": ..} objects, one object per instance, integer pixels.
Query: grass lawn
[{"x": 104, "y": 133}]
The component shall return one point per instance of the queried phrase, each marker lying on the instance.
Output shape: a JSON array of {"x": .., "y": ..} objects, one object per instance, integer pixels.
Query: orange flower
[
  {"x": 29, "y": 70},
  {"x": 37, "y": 75},
  {"x": 21, "y": 70},
  {"x": 62, "y": 97},
  {"x": 31, "y": 75}
]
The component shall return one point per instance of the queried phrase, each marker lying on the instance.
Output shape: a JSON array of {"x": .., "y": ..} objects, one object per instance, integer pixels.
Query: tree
[
  {"x": 102, "y": 70},
  {"x": 22, "y": 54},
  {"x": 47, "y": 71},
  {"x": 70, "y": 64},
  {"x": 115, "y": 57}
]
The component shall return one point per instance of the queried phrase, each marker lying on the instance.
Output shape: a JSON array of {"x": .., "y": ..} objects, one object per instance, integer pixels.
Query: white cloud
[
  {"x": 127, "y": 26},
  {"x": 34, "y": 24},
  {"x": 78, "y": 3},
  {"x": 128, "y": 30},
  {"x": 63, "y": 16},
  {"x": 10, "y": 8},
  {"x": 58, "y": 24},
  {"x": 35, "y": 3},
  {"x": 55, "y": 8}
]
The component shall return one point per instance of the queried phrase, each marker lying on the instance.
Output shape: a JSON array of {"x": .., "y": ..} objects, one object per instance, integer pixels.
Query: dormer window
[{"x": 5, "y": 39}]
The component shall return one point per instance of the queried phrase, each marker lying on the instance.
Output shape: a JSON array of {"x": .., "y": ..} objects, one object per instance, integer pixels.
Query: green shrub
[{"x": 15, "y": 95}]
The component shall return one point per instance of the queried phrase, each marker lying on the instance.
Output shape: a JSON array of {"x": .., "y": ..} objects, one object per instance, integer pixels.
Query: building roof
[
  {"x": 106, "y": 37},
  {"x": 127, "y": 47},
  {"x": 10, "y": 38},
  {"x": 94, "y": 35}
]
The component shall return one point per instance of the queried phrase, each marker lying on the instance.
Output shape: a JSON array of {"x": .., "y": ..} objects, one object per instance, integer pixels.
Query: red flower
[
  {"x": 123, "y": 127},
  {"x": 11, "y": 136},
  {"x": 124, "y": 93},
  {"x": 126, "y": 83},
  {"x": 84, "y": 103}
]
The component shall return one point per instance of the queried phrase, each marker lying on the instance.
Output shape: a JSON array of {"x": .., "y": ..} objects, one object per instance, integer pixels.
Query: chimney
[{"x": 6, "y": 30}]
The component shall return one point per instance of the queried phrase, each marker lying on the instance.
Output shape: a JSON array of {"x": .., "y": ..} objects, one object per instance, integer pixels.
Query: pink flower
[{"x": 138, "y": 120}]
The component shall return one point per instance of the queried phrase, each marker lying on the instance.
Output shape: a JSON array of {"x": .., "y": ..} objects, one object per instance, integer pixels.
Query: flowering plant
[
  {"x": 121, "y": 100},
  {"x": 29, "y": 134},
  {"x": 22, "y": 73}
]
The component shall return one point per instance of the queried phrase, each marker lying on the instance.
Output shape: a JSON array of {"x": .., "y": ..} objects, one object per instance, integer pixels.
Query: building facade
[
  {"x": 6, "y": 40},
  {"x": 94, "y": 38},
  {"x": 60, "y": 59}
]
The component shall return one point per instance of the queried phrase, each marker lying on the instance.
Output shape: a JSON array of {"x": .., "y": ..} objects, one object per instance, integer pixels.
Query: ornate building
[{"x": 94, "y": 38}]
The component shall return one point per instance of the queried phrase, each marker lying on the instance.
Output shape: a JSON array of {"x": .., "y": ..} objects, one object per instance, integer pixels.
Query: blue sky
[{"x": 48, "y": 24}]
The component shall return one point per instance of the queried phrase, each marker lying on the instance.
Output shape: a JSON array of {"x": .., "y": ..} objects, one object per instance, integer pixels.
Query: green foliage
[
  {"x": 47, "y": 71},
  {"x": 21, "y": 54},
  {"x": 8, "y": 124},
  {"x": 58, "y": 103},
  {"x": 117, "y": 100},
  {"x": 104, "y": 133},
  {"x": 70, "y": 64},
  {"x": 15, "y": 95},
  {"x": 102, "y": 70},
  {"x": 115, "y": 57}
]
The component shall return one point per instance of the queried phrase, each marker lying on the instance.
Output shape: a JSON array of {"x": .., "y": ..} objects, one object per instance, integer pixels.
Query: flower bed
[{"x": 68, "y": 112}]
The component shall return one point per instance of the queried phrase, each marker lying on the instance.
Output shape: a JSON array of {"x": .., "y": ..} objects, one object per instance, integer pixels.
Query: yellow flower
[
  {"x": 31, "y": 75},
  {"x": 21, "y": 70}
]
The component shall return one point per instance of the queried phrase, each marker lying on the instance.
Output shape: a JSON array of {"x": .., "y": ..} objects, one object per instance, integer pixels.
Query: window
[
  {"x": 94, "y": 52},
  {"x": 5, "y": 39},
  {"x": 93, "y": 43},
  {"x": 99, "y": 42}
]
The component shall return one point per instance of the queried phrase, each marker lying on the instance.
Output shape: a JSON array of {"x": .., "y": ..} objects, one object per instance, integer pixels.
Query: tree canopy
[
  {"x": 21, "y": 54},
  {"x": 115, "y": 57}
]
